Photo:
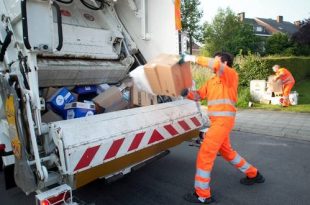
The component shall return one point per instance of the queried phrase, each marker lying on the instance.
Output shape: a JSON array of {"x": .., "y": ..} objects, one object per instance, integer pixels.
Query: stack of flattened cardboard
[
  {"x": 142, "y": 98},
  {"x": 275, "y": 87},
  {"x": 167, "y": 76}
]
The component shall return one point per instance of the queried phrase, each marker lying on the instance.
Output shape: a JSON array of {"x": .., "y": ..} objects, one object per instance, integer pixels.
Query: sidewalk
[{"x": 274, "y": 123}]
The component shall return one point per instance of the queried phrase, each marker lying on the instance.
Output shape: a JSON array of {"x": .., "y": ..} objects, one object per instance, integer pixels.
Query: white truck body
[{"x": 85, "y": 47}]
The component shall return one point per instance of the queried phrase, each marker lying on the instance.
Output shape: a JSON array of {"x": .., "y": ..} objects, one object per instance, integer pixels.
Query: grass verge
[{"x": 302, "y": 88}]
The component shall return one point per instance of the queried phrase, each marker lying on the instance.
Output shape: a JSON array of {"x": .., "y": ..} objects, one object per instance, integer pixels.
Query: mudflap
[{"x": 9, "y": 181}]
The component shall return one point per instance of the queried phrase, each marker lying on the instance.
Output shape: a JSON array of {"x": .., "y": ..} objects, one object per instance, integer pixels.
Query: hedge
[{"x": 253, "y": 67}]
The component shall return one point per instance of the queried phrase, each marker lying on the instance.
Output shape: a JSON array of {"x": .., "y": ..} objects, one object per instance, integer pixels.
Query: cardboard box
[
  {"x": 110, "y": 97},
  {"x": 142, "y": 98},
  {"x": 59, "y": 100},
  {"x": 167, "y": 77},
  {"x": 121, "y": 105},
  {"x": 47, "y": 93},
  {"x": 102, "y": 87},
  {"x": 50, "y": 116},
  {"x": 274, "y": 86},
  {"x": 78, "y": 109}
]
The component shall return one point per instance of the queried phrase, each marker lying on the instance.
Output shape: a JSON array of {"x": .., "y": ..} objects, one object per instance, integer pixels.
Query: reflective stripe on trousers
[
  {"x": 205, "y": 176},
  {"x": 237, "y": 160}
]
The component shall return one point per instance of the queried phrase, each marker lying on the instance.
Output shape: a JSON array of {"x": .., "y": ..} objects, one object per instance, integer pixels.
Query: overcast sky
[{"x": 291, "y": 10}]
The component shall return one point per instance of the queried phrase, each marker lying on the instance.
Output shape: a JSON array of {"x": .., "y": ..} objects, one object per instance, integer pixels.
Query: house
[{"x": 266, "y": 27}]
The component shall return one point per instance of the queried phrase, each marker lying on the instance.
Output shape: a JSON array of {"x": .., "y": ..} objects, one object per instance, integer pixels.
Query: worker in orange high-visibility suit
[
  {"x": 221, "y": 94},
  {"x": 288, "y": 82}
]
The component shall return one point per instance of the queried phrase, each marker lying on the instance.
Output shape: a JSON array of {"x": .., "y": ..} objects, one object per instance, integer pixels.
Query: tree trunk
[{"x": 190, "y": 45}]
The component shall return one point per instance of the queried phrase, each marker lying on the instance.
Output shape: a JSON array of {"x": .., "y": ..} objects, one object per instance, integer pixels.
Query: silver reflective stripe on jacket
[
  {"x": 202, "y": 173},
  {"x": 221, "y": 113},
  {"x": 202, "y": 185},
  {"x": 221, "y": 101},
  {"x": 236, "y": 160}
]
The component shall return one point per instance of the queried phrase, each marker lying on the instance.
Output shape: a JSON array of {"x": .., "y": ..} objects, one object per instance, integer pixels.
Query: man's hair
[{"x": 225, "y": 56}]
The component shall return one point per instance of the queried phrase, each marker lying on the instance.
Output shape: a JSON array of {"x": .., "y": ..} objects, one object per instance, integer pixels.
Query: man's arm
[
  {"x": 278, "y": 76},
  {"x": 215, "y": 65},
  {"x": 198, "y": 95}
]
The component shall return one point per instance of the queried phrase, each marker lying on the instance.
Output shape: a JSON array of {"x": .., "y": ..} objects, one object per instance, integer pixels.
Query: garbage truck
[{"x": 66, "y": 43}]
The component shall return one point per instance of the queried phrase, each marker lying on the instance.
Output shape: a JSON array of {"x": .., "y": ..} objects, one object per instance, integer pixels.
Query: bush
[
  {"x": 201, "y": 75},
  {"x": 244, "y": 97},
  {"x": 251, "y": 67}
]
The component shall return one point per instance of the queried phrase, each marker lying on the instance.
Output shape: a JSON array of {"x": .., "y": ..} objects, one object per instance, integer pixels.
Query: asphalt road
[{"x": 285, "y": 163}]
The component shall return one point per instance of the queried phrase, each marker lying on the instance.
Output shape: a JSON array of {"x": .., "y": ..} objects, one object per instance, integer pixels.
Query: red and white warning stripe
[{"x": 100, "y": 153}]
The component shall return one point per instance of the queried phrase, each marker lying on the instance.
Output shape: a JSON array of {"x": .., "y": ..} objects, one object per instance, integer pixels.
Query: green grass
[{"x": 302, "y": 88}]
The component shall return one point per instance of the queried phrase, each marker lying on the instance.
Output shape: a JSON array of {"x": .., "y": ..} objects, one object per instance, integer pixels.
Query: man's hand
[{"x": 184, "y": 92}]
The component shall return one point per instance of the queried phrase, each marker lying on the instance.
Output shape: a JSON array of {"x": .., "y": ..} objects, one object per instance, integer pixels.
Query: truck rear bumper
[{"x": 85, "y": 177}]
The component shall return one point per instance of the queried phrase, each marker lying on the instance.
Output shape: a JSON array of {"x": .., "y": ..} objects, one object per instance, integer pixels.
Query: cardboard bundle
[{"x": 275, "y": 87}]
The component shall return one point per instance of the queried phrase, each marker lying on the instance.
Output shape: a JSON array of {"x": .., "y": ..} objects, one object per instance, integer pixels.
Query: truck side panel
[{"x": 92, "y": 141}]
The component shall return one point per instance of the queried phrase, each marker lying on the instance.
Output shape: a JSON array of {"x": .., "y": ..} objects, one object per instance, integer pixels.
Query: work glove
[
  {"x": 187, "y": 58},
  {"x": 184, "y": 92}
]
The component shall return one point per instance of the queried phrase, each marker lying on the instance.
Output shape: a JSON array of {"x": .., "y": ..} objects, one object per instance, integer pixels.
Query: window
[{"x": 259, "y": 29}]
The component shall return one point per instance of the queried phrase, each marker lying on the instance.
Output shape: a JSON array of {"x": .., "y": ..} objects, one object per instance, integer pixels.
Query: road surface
[{"x": 285, "y": 163}]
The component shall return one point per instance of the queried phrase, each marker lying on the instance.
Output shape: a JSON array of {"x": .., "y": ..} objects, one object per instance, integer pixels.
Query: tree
[
  {"x": 279, "y": 43},
  {"x": 191, "y": 15},
  {"x": 227, "y": 32},
  {"x": 302, "y": 38}
]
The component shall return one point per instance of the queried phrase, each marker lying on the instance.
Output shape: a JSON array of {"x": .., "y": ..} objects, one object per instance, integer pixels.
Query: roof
[
  {"x": 284, "y": 26},
  {"x": 263, "y": 32}
]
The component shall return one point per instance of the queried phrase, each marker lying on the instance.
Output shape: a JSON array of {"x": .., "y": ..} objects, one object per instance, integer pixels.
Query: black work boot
[
  {"x": 250, "y": 181},
  {"x": 194, "y": 198}
]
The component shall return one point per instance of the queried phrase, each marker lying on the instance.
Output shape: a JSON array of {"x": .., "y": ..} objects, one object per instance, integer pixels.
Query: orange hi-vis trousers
[
  {"x": 217, "y": 140},
  {"x": 286, "y": 92}
]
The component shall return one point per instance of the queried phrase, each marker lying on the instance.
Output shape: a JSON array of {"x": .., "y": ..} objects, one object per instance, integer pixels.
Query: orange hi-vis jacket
[
  {"x": 220, "y": 91},
  {"x": 285, "y": 76}
]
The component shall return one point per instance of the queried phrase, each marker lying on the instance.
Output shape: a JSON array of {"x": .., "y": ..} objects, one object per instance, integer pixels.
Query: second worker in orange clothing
[
  {"x": 221, "y": 94},
  {"x": 288, "y": 82}
]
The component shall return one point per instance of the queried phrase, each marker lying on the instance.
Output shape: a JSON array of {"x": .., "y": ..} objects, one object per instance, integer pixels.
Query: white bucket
[{"x": 293, "y": 98}]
